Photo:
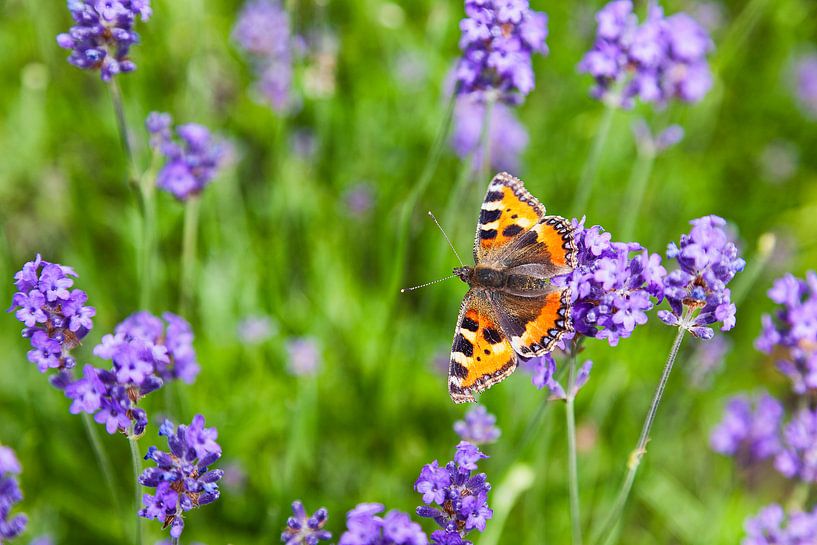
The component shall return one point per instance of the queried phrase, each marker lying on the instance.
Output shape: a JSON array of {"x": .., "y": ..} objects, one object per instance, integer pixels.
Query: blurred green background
[{"x": 278, "y": 239}]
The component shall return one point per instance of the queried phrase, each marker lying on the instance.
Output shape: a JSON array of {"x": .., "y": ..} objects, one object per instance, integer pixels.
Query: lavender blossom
[
  {"x": 773, "y": 526},
  {"x": 303, "y": 529},
  {"x": 10, "y": 494},
  {"x": 55, "y": 316},
  {"x": 707, "y": 360},
  {"x": 365, "y": 527},
  {"x": 659, "y": 59},
  {"x": 805, "y": 83},
  {"x": 304, "y": 356},
  {"x": 652, "y": 144},
  {"x": 750, "y": 429},
  {"x": 256, "y": 329},
  {"x": 543, "y": 371},
  {"x": 497, "y": 43},
  {"x": 143, "y": 344},
  {"x": 790, "y": 335},
  {"x": 263, "y": 32},
  {"x": 454, "y": 496},
  {"x": 182, "y": 478},
  {"x": 508, "y": 138},
  {"x": 478, "y": 427},
  {"x": 697, "y": 291},
  {"x": 612, "y": 286},
  {"x": 798, "y": 457},
  {"x": 103, "y": 34},
  {"x": 192, "y": 160}
]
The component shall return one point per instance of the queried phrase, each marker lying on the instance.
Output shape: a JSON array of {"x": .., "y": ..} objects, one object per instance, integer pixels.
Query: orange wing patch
[
  {"x": 556, "y": 234},
  {"x": 481, "y": 354},
  {"x": 535, "y": 325},
  {"x": 508, "y": 212}
]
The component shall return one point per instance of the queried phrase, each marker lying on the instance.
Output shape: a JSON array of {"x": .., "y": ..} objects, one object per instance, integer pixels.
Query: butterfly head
[{"x": 466, "y": 274}]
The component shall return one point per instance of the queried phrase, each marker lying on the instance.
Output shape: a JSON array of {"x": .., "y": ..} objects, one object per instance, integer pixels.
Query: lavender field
[{"x": 209, "y": 211}]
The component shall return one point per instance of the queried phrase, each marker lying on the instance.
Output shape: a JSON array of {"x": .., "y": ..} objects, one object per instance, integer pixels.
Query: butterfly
[{"x": 511, "y": 309}]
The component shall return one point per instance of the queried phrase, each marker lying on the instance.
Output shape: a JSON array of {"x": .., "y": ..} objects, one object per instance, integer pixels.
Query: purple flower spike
[
  {"x": 697, "y": 291},
  {"x": 264, "y": 32},
  {"x": 497, "y": 43},
  {"x": 750, "y": 429},
  {"x": 478, "y": 427},
  {"x": 55, "y": 316},
  {"x": 798, "y": 458},
  {"x": 303, "y": 529},
  {"x": 613, "y": 286},
  {"x": 191, "y": 161},
  {"x": 805, "y": 83},
  {"x": 365, "y": 527},
  {"x": 790, "y": 334},
  {"x": 182, "y": 477},
  {"x": 773, "y": 526},
  {"x": 304, "y": 356},
  {"x": 103, "y": 34},
  {"x": 10, "y": 494},
  {"x": 455, "y": 496},
  {"x": 543, "y": 369},
  {"x": 508, "y": 137},
  {"x": 659, "y": 59}
]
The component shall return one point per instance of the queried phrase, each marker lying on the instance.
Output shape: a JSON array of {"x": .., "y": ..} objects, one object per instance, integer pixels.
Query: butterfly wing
[
  {"x": 482, "y": 354},
  {"x": 533, "y": 324},
  {"x": 508, "y": 212}
]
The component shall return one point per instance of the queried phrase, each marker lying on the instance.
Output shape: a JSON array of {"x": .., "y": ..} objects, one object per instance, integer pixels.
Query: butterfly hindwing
[
  {"x": 534, "y": 324},
  {"x": 508, "y": 212},
  {"x": 481, "y": 354},
  {"x": 549, "y": 243}
]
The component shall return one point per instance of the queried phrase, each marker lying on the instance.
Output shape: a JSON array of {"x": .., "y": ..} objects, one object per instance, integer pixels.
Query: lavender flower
[
  {"x": 365, "y": 527},
  {"x": 805, "y": 83},
  {"x": 697, "y": 291},
  {"x": 498, "y": 40},
  {"x": 507, "y": 139},
  {"x": 304, "y": 356},
  {"x": 657, "y": 60},
  {"x": 707, "y": 360},
  {"x": 192, "y": 161},
  {"x": 798, "y": 458},
  {"x": 750, "y": 429},
  {"x": 256, "y": 329},
  {"x": 478, "y": 427},
  {"x": 543, "y": 371},
  {"x": 772, "y": 526},
  {"x": 652, "y": 144},
  {"x": 55, "y": 316},
  {"x": 263, "y": 32},
  {"x": 613, "y": 285},
  {"x": 182, "y": 478},
  {"x": 143, "y": 344},
  {"x": 359, "y": 199},
  {"x": 103, "y": 34},
  {"x": 791, "y": 333},
  {"x": 10, "y": 494},
  {"x": 303, "y": 529},
  {"x": 454, "y": 496}
]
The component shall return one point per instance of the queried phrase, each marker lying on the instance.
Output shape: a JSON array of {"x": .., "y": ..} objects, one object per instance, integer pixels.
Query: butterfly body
[{"x": 512, "y": 307}]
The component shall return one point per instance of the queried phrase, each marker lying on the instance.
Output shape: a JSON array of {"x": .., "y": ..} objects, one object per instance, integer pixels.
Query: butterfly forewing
[
  {"x": 481, "y": 354},
  {"x": 508, "y": 212}
]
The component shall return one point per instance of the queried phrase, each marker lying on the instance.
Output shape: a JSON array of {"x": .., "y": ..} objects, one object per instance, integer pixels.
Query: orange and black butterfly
[{"x": 511, "y": 309}]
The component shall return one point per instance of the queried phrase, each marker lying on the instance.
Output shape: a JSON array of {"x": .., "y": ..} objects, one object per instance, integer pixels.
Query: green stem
[
  {"x": 124, "y": 134},
  {"x": 410, "y": 203},
  {"x": 572, "y": 466},
  {"x": 102, "y": 459},
  {"x": 136, "y": 458},
  {"x": 485, "y": 138},
  {"x": 188, "y": 264},
  {"x": 147, "y": 250},
  {"x": 636, "y": 188},
  {"x": 588, "y": 178},
  {"x": 606, "y": 533}
]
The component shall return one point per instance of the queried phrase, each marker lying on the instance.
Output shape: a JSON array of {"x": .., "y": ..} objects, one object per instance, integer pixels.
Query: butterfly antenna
[
  {"x": 446, "y": 238},
  {"x": 404, "y": 290}
]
